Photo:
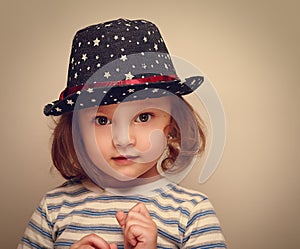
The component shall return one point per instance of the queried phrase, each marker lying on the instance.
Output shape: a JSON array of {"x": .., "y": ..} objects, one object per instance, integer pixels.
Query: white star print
[
  {"x": 123, "y": 58},
  {"x": 90, "y": 90},
  {"x": 144, "y": 66},
  {"x": 155, "y": 46},
  {"x": 84, "y": 57},
  {"x": 116, "y": 37},
  {"x": 166, "y": 66},
  {"x": 123, "y": 38},
  {"x": 130, "y": 90},
  {"x": 155, "y": 90},
  {"x": 128, "y": 76},
  {"x": 96, "y": 42},
  {"x": 107, "y": 75},
  {"x": 70, "y": 102},
  {"x": 58, "y": 109},
  {"x": 97, "y": 57},
  {"x": 76, "y": 75},
  {"x": 145, "y": 39},
  {"x": 98, "y": 65}
]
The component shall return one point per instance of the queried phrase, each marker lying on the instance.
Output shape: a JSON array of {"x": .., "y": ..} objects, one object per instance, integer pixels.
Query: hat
[{"x": 116, "y": 61}]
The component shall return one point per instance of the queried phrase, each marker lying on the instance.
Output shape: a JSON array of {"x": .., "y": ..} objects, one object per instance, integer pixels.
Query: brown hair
[
  {"x": 181, "y": 147},
  {"x": 63, "y": 152},
  {"x": 185, "y": 140}
]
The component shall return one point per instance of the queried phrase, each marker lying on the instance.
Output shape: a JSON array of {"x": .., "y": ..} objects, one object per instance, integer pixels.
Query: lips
[{"x": 124, "y": 159}]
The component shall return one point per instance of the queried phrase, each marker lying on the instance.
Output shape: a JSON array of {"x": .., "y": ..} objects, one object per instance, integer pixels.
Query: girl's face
[{"x": 126, "y": 140}]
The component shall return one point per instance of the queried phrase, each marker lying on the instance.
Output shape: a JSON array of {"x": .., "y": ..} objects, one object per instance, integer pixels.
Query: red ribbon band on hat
[{"x": 152, "y": 79}]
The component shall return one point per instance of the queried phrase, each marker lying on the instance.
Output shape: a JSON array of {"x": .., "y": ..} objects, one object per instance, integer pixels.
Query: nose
[{"x": 122, "y": 137}]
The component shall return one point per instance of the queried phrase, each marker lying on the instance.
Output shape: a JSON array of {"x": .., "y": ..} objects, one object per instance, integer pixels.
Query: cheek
[
  {"x": 95, "y": 141},
  {"x": 151, "y": 144},
  {"x": 143, "y": 141},
  {"x": 102, "y": 137}
]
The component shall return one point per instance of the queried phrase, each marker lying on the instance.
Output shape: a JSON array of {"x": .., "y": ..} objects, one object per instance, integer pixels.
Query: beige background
[{"x": 248, "y": 49}]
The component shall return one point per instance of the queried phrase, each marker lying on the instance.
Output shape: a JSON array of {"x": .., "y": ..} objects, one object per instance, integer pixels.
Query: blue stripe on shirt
[
  {"x": 31, "y": 243},
  {"x": 40, "y": 230},
  {"x": 200, "y": 214}
]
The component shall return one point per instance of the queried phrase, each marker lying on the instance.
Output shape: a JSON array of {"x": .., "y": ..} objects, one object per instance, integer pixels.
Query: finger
[
  {"x": 139, "y": 229},
  {"x": 132, "y": 237},
  {"x": 92, "y": 240},
  {"x": 140, "y": 208},
  {"x": 137, "y": 235},
  {"x": 138, "y": 219},
  {"x": 121, "y": 218},
  {"x": 113, "y": 246}
]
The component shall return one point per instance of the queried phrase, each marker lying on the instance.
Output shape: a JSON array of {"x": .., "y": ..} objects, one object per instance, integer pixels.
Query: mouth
[{"x": 125, "y": 159}]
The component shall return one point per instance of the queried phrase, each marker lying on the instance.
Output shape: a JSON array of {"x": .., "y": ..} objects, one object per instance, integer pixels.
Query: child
[{"x": 124, "y": 130}]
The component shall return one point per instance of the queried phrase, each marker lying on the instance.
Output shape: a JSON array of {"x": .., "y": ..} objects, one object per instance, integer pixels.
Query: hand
[
  {"x": 93, "y": 241},
  {"x": 140, "y": 231}
]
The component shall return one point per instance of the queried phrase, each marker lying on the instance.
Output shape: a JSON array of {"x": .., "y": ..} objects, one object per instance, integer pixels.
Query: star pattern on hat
[
  {"x": 129, "y": 76},
  {"x": 96, "y": 42},
  {"x": 107, "y": 75},
  {"x": 116, "y": 51},
  {"x": 91, "y": 46},
  {"x": 123, "y": 58}
]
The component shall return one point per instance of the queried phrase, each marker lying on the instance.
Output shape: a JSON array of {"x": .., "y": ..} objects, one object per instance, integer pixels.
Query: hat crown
[{"x": 96, "y": 46}]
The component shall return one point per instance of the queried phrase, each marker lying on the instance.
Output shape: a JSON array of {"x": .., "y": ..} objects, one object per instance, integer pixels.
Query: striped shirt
[{"x": 185, "y": 218}]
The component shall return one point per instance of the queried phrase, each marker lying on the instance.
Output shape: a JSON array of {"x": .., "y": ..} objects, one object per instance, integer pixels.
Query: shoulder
[
  {"x": 187, "y": 195},
  {"x": 68, "y": 188},
  {"x": 69, "y": 191},
  {"x": 181, "y": 199}
]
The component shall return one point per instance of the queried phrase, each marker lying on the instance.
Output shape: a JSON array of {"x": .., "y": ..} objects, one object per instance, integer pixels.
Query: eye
[
  {"x": 102, "y": 120},
  {"x": 143, "y": 117}
]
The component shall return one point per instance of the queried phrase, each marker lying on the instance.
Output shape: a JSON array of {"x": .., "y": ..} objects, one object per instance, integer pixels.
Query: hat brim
[{"x": 117, "y": 94}]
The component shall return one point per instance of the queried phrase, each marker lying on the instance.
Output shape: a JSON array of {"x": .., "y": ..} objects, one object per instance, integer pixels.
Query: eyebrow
[{"x": 102, "y": 111}]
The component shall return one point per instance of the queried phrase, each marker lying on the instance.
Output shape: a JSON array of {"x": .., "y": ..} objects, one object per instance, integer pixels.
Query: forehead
[{"x": 163, "y": 104}]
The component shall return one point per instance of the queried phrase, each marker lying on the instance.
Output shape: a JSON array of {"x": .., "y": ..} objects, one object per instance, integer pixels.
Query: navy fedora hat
[{"x": 116, "y": 61}]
